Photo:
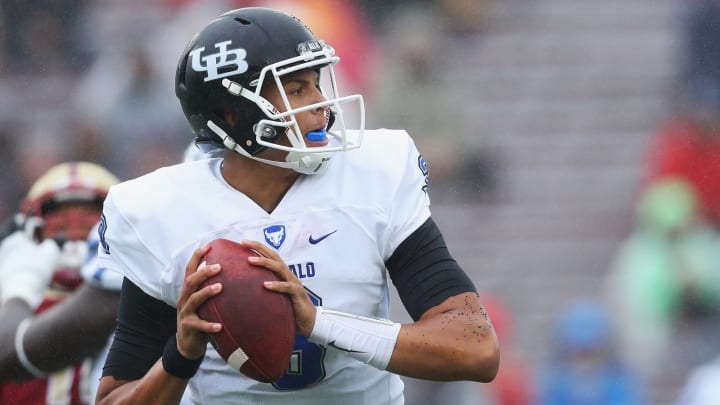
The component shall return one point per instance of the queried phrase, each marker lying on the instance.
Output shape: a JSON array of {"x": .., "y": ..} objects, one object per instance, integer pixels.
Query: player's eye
[{"x": 295, "y": 91}]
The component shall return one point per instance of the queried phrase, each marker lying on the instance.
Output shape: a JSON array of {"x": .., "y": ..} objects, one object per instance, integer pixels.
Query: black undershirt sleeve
[
  {"x": 424, "y": 272},
  {"x": 143, "y": 327}
]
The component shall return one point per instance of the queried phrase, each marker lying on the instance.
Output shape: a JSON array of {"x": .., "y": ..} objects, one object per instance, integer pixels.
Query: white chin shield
[{"x": 309, "y": 163}]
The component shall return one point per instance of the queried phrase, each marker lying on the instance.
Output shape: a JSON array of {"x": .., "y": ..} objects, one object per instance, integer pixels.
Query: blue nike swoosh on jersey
[{"x": 320, "y": 239}]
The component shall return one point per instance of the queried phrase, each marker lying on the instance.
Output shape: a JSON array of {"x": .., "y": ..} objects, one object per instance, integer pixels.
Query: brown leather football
[{"x": 258, "y": 333}]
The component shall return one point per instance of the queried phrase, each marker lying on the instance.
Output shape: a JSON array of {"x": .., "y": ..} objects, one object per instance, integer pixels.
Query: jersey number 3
[{"x": 307, "y": 365}]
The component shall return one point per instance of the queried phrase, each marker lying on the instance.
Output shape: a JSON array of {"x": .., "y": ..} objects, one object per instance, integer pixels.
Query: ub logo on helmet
[{"x": 222, "y": 59}]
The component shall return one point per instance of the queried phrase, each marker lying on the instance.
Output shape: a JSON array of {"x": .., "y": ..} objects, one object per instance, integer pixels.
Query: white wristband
[
  {"x": 20, "y": 350},
  {"x": 370, "y": 340}
]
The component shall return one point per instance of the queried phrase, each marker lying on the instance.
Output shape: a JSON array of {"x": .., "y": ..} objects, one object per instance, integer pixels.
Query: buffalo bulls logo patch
[{"x": 275, "y": 235}]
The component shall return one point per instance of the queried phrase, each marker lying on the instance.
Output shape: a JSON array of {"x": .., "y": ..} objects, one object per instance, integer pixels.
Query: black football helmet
[{"x": 224, "y": 68}]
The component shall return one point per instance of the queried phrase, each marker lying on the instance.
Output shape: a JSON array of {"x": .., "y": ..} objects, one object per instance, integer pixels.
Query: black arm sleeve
[
  {"x": 143, "y": 327},
  {"x": 424, "y": 272}
]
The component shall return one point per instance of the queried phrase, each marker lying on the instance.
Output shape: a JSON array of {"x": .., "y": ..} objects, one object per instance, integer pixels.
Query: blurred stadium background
[{"x": 535, "y": 117}]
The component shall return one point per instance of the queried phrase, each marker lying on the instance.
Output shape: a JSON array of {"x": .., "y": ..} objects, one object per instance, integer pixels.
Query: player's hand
[
  {"x": 27, "y": 267},
  {"x": 191, "y": 329},
  {"x": 290, "y": 285}
]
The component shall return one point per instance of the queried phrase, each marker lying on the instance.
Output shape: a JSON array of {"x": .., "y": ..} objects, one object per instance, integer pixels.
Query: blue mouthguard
[{"x": 317, "y": 136}]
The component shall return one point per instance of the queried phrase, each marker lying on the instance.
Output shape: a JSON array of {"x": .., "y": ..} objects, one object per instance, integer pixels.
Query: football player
[
  {"x": 40, "y": 267},
  {"x": 333, "y": 211},
  {"x": 77, "y": 326}
]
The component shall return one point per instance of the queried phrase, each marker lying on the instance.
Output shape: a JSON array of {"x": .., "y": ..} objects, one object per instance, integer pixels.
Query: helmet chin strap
[{"x": 301, "y": 162}]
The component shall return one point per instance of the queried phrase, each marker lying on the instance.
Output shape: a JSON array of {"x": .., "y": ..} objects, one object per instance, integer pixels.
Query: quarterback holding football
[{"x": 336, "y": 213}]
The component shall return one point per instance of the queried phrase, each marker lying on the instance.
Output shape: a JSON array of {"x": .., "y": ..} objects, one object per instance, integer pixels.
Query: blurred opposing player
[
  {"x": 345, "y": 209},
  {"x": 40, "y": 266}
]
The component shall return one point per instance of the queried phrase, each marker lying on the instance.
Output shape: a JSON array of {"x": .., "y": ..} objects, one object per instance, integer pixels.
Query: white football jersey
[{"x": 334, "y": 230}]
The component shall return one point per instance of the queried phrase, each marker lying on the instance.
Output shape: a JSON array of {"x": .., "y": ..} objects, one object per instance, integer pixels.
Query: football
[{"x": 258, "y": 333}]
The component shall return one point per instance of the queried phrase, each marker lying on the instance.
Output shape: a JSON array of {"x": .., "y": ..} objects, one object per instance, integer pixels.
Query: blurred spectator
[
  {"x": 584, "y": 366},
  {"x": 417, "y": 48},
  {"x": 408, "y": 82},
  {"x": 43, "y": 36},
  {"x": 687, "y": 144},
  {"x": 642, "y": 278},
  {"x": 666, "y": 283},
  {"x": 665, "y": 286},
  {"x": 135, "y": 112}
]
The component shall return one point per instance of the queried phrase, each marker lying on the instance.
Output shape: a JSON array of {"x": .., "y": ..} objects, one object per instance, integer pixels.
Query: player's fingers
[
  {"x": 195, "y": 260},
  {"x": 302, "y": 306},
  {"x": 191, "y": 268},
  {"x": 192, "y": 335},
  {"x": 192, "y": 329},
  {"x": 284, "y": 287},
  {"x": 276, "y": 266},
  {"x": 261, "y": 248},
  {"x": 200, "y": 325},
  {"x": 295, "y": 291},
  {"x": 269, "y": 259},
  {"x": 198, "y": 297},
  {"x": 195, "y": 279}
]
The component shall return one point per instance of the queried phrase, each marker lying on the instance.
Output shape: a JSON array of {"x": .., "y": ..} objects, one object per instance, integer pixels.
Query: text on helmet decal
[
  {"x": 308, "y": 47},
  {"x": 224, "y": 57}
]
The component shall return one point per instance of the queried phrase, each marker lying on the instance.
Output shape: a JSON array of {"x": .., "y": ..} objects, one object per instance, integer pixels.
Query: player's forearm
[
  {"x": 11, "y": 314},
  {"x": 157, "y": 387},
  {"x": 447, "y": 347},
  {"x": 72, "y": 330},
  {"x": 451, "y": 341},
  {"x": 454, "y": 340}
]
